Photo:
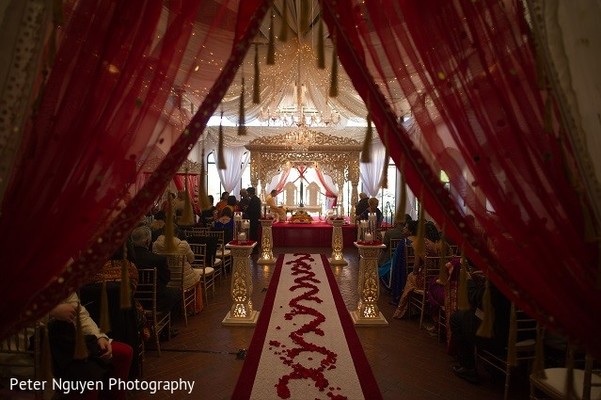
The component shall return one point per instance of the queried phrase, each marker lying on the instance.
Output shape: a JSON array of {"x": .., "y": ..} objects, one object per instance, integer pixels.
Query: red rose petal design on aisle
[{"x": 300, "y": 305}]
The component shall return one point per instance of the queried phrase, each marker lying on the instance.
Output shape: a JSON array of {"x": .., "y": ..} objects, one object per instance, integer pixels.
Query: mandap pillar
[
  {"x": 367, "y": 312},
  {"x": 241, "y": 312},
  {"x": 266, "y": 242},
  {"x": 337, "y": 257}
]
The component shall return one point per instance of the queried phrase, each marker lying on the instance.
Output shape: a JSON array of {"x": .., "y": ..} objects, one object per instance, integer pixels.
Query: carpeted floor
[{"x": 305, "y": 345}]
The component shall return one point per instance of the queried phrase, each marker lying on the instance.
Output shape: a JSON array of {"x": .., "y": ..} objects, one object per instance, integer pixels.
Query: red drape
[
  {"x": 323, "y": 182},
  {"x": 467, "y": 71},
  {"x": 104, "y": 95}
]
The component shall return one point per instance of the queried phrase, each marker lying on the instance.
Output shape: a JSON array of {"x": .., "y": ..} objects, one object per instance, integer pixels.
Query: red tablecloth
[{"x": 316, "y": 234}]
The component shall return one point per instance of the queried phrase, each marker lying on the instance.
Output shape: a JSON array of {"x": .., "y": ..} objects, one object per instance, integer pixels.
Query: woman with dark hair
[{"x": 225, "y": 223}]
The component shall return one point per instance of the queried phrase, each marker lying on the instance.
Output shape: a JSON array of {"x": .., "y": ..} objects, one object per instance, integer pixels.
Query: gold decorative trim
[{"x": 190, "y": 167}]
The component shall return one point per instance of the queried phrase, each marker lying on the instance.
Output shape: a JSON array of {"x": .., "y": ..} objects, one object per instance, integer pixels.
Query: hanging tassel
[
  {"x": 462, "y": 300},
  {"x": 271, "y": 43},
  {"x": 46, "y": 357},
  {"x": 242, "y": 118},
  {"x": 220, "y": 151},
  {"x": 284, "y": 28},
  {"x": 81, "y": 351},
  {"x": 541, "y": 77},
  {"x": 384, "y": 180},
  {"x": 570, "y": 387},
  {"x": 125, "y": 291},
  {"x": 599, "y": 267},
  {"x": 512, "y": 354},
  {"x": 366, "y": 150},
  {"x": 105, "y": 321},
  {"x": 203, "y": 199},
  {"x": 548, "y": 117},
  {"x": 57, "y": 21},
  {"x": 188, "y": 214},
  {"x": 169, "y": 229},
  {"x": 257, "y": 81},
  {"x": 321, "y": 51},
  {"x": 419, "y": 246},
  {"x": 538, "y": 366},
  {"x": 304, "y": 16},
  {"x": 443, "y": 272},
  {"x": 485, "y": 330},
  {"x": 400, "y": 210},
  {"x": 334, "y": 77}
]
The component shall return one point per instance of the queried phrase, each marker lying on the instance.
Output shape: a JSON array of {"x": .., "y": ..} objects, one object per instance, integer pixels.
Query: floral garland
[{"x": 291, "y": 357}]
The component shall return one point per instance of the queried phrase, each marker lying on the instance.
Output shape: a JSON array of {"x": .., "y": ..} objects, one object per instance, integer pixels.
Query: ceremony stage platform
[{"x": 315, "y": 234}]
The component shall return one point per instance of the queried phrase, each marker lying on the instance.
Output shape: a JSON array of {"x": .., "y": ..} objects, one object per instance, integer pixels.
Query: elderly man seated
[{"x": 279, "y": 211}]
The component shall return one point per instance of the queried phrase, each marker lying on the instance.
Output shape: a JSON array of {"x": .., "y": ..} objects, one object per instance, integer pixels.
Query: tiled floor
[{"x": 406, "y": 361}]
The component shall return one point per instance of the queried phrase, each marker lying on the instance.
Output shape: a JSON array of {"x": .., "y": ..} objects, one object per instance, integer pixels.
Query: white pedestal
[
  {"x": 241, "y": 312},
  {"x": 337, "y": 257},
  {"x": 266, "y": 243},
  {"x": 367, "y": 312}
]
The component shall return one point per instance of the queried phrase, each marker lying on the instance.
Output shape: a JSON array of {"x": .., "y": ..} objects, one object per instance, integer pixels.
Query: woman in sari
[{"x": 416, "y": 278}]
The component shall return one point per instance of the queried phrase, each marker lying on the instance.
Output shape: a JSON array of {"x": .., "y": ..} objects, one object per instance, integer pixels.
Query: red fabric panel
[
  {"x": 468, "y": 72},
  {"x": 97, "y": 115}
]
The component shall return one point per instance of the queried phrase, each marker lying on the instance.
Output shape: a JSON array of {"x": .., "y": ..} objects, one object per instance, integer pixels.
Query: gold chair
[
  {"x": 525, "y": 345},
  {"x": 207, "y": 276},
  {"x": 429, "y": 267},
  {"x": 20, "y": 354},
  {"x": 223, "y": 257},
  {"x": 587, "y": 381},
  {"x": 409, "y": 258},
  {"x": 177, "y": 265},
  {"x": 195, "y": 231},
  {"x": 146, "y": 294}
]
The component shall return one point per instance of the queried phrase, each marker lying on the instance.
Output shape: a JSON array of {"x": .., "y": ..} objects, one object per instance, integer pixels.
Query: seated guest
[
  {"x": 128, "y": 325},
  {"x": 168, "y": 298},
  {"x": 232, "y": 204},
  {"x": 416, "y": 278},
  {"x": 279, "y": 211},
  {"x": 442, "y": 292},
  {"x": 362, "y": 204},
  {"x": 372, "y": 207},
  {"x": 465, "y": 323},
  {"x": 191, "y": 275},
  {"x": 225, "y": 223},
  {"x": 221, "y": 204},
  {"x": 207, "y": 215},
  {"x": 105, "y": 359},
  {"x": 396, "y": 232}
]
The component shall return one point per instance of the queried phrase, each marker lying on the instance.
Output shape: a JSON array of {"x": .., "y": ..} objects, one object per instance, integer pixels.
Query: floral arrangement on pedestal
[{"x": 301, "y": 217}]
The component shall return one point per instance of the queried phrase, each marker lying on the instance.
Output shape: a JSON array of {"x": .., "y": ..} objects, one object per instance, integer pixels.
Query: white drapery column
[{"x": 371, "y": 173}]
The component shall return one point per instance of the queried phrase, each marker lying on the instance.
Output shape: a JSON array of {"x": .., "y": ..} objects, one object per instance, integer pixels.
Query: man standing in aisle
[{"x": 253, "y": 213}]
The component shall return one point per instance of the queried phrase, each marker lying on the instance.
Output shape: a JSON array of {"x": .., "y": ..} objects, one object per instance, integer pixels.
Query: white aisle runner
[{"x": 305, "y": 345}]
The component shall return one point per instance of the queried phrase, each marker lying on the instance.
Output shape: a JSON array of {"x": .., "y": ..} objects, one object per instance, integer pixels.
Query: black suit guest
[
  {"x": 167, "y": 297},
  {"x": 253, "y": 213}
]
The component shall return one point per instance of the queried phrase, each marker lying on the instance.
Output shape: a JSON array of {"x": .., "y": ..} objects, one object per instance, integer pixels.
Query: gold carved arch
[{"x": 335, "y": 156}]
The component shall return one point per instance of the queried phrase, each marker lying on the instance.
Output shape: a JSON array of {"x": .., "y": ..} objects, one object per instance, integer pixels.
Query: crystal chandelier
[{"x": 296, "y": 109}]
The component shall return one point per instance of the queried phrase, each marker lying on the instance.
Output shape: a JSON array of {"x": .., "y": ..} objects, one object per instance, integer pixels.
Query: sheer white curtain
[
  {"x": 571, "y": 34},
  {"x": 371, "y": 173},
  {"x": 236, "y": 160}
]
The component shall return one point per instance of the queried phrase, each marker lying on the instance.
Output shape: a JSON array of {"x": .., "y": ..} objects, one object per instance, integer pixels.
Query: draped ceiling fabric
[{"x": 465, "y": 70}]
